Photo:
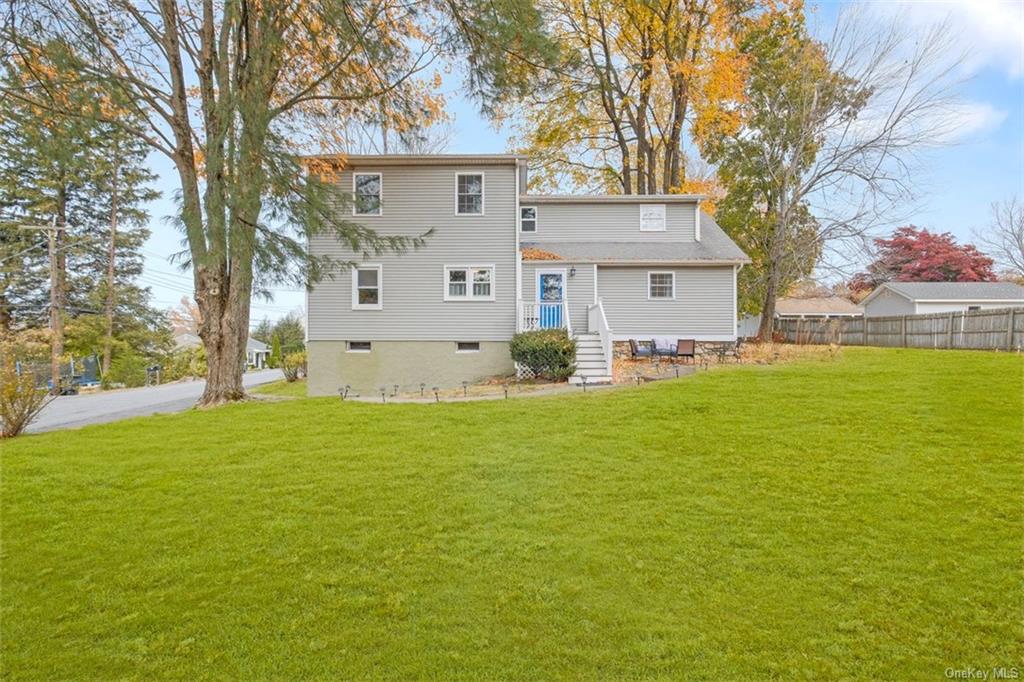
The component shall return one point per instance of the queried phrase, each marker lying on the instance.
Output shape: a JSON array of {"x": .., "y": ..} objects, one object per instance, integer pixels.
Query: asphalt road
[{"x": 72, "y": 411}]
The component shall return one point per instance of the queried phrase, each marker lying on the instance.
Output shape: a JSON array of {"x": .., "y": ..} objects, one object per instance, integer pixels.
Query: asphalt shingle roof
[
  {"x": 714, "y": 246},
  {"x": 956, "y": 291},
  {"x": 817, "y": 305}
]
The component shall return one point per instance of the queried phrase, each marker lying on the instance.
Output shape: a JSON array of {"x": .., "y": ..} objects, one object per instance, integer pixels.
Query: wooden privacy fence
[{"x": 995, "y": 329}]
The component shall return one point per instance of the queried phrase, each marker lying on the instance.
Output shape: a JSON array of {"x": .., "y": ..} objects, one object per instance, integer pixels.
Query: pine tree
[{"x": 90, "y": 179}]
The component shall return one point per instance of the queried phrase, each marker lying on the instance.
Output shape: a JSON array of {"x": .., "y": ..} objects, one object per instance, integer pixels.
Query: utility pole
[{"x": 56, "y": 303}]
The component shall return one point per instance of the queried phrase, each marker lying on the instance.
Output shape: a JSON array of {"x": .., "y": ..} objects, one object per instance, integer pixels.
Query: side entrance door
[{"x": 550, "y": 296}]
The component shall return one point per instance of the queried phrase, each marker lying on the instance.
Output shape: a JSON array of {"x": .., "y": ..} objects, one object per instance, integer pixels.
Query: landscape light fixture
[
  {"x": 505, "y": 386},
  {"x": 437, "y": 396},
  {"x": 422, "y": 386},
  {"x": 343, "y": 392},
  {"x": 396, "y": 390},
  {"x": 383, "y": 394},
  {"x": 465, "y": 389},
  {"x": 584, "y": 378}
]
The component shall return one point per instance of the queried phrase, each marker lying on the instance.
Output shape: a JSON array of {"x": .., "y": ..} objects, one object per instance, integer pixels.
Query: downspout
[{"x": 519, "y": 255}]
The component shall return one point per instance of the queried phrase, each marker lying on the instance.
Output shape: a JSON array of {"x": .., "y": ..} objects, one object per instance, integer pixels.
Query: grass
[
  {"x": 856, "y": 518},
  {"x": 286, "y": 389}
]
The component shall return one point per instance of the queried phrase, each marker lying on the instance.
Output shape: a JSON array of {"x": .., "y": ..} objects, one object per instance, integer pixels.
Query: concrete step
[
  {"x": 591, "y": 364},
  {"x": 590, "y": 371},
  {"x": 591, "y": 380}
]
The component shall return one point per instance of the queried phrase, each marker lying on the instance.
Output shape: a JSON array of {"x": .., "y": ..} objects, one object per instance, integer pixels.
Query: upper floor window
[
  {"x": 366, "y": 190},
  {"x": 469, "y": 193},
  {"x": 367, "y": 287},
  {"x": 469, "y": 282},
  {"x": 661, "y": 285},
  {"x": 652, "y": 217},
  {"x": 527, "y": 218}
]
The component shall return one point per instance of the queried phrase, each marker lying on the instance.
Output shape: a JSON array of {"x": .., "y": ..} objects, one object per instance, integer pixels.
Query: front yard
[{"x": 850, "y": 518}]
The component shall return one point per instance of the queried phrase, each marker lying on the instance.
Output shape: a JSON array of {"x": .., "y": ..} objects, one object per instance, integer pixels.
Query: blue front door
[{"x": 550, "y": 294}]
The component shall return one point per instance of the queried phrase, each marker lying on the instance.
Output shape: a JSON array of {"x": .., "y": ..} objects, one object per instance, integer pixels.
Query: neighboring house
[
  {"x": 498, "y": 261},
  {"x": 919, "y": 298},
  {"x": 813, "y": 307},
  {"x": 256, "y": 352}
]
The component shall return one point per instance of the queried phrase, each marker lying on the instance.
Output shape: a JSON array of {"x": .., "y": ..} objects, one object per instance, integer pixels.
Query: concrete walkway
[{"x": 72, "y": 411}]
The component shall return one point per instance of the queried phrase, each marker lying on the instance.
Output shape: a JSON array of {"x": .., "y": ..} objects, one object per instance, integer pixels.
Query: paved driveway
[{"x": 71, "y": 411}]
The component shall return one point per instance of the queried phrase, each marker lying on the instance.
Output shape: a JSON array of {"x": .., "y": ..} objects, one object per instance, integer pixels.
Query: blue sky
[{"x": 957, "y": 184}]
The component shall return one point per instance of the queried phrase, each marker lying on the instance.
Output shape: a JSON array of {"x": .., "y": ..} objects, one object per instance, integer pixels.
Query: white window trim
[
  {"x": 355, "y": 197},
  {"x": 661, "y": 272},
  {"x": 664, "y": 221},
  {"x": 379, "y": 305},
  {"x": 472, "y": 350},
  {"x": 483, "y": 195},
  {"x": 536, "y": 218},
  {"x": 469, "y": 297},
  {"x": 348, "y": 349}
]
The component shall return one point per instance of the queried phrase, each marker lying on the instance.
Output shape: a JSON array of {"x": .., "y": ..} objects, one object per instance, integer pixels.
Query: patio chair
[
  {"x": 686, "y": 348},
  {"x": 638, "y": 351},
  {"x": 663, "y": 351}
]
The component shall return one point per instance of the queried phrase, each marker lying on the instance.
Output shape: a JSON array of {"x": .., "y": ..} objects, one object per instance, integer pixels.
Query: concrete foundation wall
[{"x": 406, "y": 363}]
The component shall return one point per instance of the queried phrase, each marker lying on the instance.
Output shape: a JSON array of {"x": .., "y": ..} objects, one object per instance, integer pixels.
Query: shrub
[
  {"x": 274, "y": 360},
  {"x": 127, "y": 369},
  {"x": 547, "y": 353},
  {"x": 20, "y": 399},
  {"x": 294, "y": 366},
  {"x": 187, "y": 362}
]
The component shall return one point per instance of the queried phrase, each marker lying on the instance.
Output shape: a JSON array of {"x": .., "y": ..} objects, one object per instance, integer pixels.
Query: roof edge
[
  {"x": 610, "y": 198},
  {"x": 345, "y": 160}
]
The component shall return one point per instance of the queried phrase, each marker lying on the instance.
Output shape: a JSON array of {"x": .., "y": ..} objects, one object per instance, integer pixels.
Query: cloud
[
  {"x": 992, "y": 31},
  {"x": 970, "y": 118}
]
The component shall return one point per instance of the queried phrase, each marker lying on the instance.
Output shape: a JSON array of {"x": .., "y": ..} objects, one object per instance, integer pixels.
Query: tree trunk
[
  {"x": 223, "y": 327},
  {"x": 58, "y": 265},
  {"x": 771, "y": 290},
  {"x": 108, "y": 311},
  {"x": 764, "y": 330}
]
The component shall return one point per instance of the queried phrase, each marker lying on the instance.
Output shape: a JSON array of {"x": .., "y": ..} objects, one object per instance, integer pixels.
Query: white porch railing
[
  {"x": 597, "y": 322},
  {"x": 533, "y": 316}
]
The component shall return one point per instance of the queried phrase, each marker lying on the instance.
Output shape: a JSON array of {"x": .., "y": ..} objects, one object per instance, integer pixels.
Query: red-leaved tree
[{"x": 917, "y": 255}]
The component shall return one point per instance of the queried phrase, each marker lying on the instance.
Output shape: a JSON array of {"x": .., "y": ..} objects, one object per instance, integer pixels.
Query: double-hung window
[
  {"x": 527, "y": 218},
  {"x": 469, "y": 283},
  {"x": 469, "y": 194},
  {"x": 366, "y": 191},
  {"x": 652, "y": 217},
  {"x": 661, "y": 285},
  {"x": 367, "y": 287}
]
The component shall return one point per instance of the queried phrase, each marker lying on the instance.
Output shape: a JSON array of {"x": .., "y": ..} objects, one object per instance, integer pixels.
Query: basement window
[
  {"x": 358, "y": 347},
  {"x": 467, "y": 347}
]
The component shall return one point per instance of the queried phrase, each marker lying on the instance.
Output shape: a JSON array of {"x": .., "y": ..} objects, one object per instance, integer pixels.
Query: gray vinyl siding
[
  {"x": 579, "y": 288},
  {"x": 608, "y": 222},
  {"x": 416, "y": 199},
  {"x": 703, "y": 306},
  {"x": 888, "y": 303}
]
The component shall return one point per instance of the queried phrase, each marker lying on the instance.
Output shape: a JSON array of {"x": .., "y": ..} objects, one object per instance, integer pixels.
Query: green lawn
[
  {"x": 287, "y": 389},
  {"x": 857, "y": 518}
]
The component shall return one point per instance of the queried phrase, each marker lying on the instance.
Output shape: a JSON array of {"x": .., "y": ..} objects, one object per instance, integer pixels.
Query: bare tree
[
  {"x": 1003, "y": 240},
  {"x": 832, "y": 141}
]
